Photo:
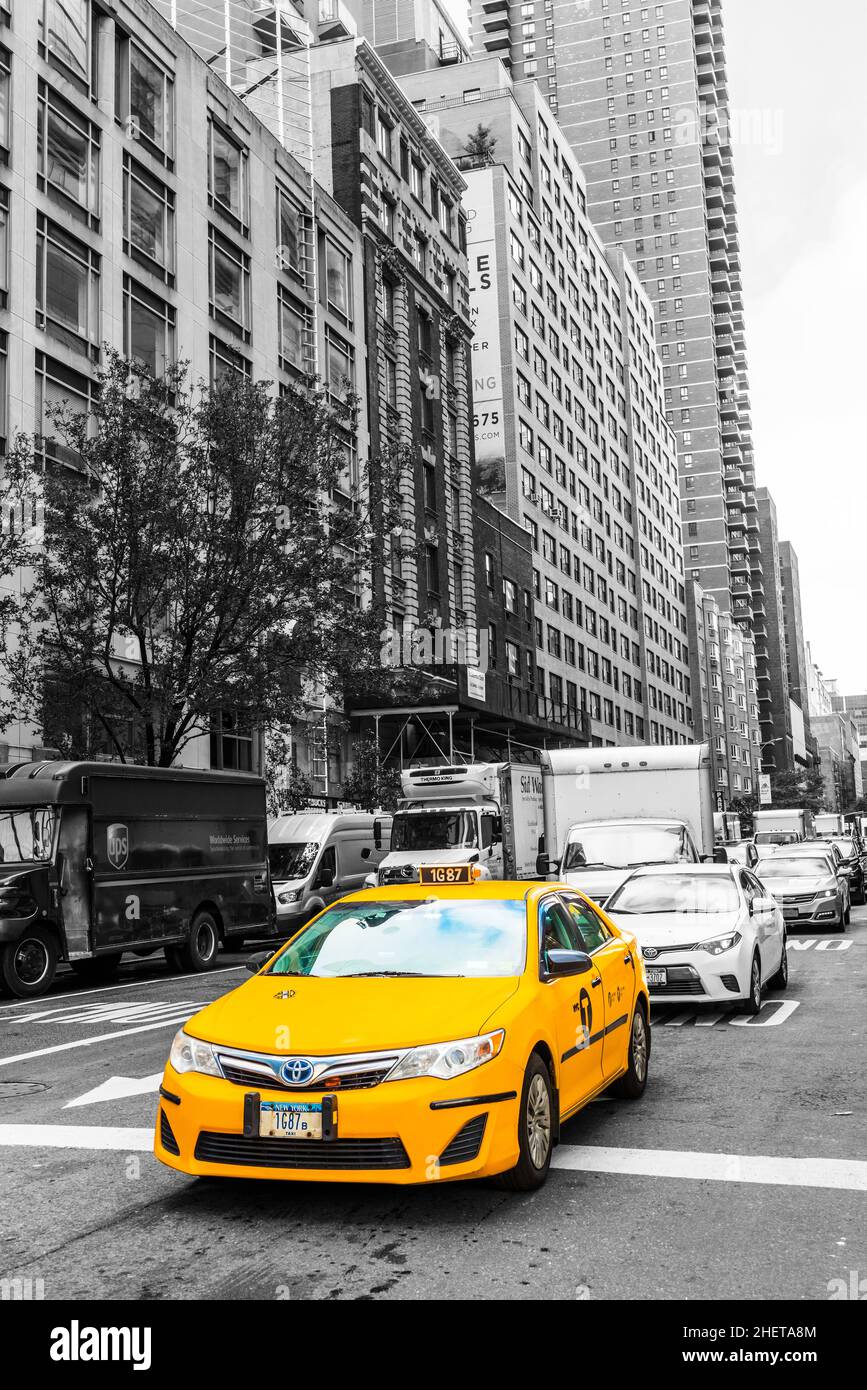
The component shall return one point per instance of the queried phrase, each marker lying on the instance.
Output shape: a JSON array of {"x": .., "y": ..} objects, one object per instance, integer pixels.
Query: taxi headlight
[
  {"x": 448, "y": 1059},
  {"x": 189, "y": 1054},
  {"x": 719, "y": 944}
]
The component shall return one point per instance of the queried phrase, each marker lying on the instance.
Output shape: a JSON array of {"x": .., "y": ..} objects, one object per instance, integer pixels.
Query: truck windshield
[
  {"x": 625, "y": 846},
  {"x": 776, "y": 837},
  {"x": 434, "y": 830},
  {"x": 26, "y": 835},
  {"x": 293, "y": 860}
]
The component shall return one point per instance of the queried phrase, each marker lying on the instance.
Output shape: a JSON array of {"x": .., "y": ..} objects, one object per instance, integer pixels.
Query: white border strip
[{"x": 847, "y": 1174}]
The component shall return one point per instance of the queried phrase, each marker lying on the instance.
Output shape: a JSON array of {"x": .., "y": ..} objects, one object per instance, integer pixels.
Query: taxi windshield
[
  {"x": 425, "y": 937},
  {"x": 26, "y": 834}
]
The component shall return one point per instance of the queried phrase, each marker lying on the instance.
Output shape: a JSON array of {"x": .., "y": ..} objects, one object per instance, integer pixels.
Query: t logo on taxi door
[{"x": 585, "y": 1008}]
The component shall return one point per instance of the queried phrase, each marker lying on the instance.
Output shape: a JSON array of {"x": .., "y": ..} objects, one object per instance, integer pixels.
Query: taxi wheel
[
  {"x": 535, "y": 1130},
  {"x": 199, "y": 951},
  {"x": 632, "y": 1084},
  {"x": 28, "y": 965}
]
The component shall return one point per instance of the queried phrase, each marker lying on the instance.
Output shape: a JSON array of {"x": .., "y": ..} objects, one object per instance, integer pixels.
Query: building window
[
  {"x": 148, "y": 218},
  {"x": 4, "y": 246},
  {"x": 384, "y": 138},
  {"x": 229, "y": 283},
  {"x": 227, "y": 175},
  {"x": 432, "y": 569},
  {"x": 4, "y": 349},
  {"x": 148, "y": 328},
  {"x": 5, "y": 69},
  {"x": 292, "y": 329},
  {"x": 65, "y": 34},
  {"x": 67, "y": 287},
  {"x": 339, "y": 363},
  {"x": 231, "y": 741},
  {"x": 57, "y": 385},
  {"x": 338, "y": 280},
  {"x": 145, "y": 98},
  {"x": 68, "y": 152},
  {"x": 290, "y": 236},
  {"x": 226, "y": 360}
]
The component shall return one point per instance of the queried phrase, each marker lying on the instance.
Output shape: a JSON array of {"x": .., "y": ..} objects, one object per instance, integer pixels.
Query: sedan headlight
[
  {"x": 189, "y": 1054},
  {"x": 719, "y": 944},
  {"x": 827, "y": 893},
  {"x": 291, "y": 896},
  {"x": 448, "y": 1059}
]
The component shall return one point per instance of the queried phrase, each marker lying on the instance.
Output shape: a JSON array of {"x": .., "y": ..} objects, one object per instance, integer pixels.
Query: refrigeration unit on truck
[
  {"x": 782, "y": 827},
  {"x": 486, "y": 815},
  {"x": 609, "y": 810},
  {"x": 101, "y": 858}
]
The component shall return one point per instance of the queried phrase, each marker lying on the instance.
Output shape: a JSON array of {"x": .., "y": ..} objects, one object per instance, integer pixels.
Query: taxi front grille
[
  {"x": 351, "y": 1075},
  {"x": 310, "y": 1154},
  {"x": 466, "y": 1143}
]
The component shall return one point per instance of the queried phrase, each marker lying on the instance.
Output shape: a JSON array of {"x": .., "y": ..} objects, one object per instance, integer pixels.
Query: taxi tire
[
  {"x": 199, "y": 952},
  {"x": 630, "y": 1086},
  {"x": 526, "y": 1176},
  {"x": 11, "y": 982}
]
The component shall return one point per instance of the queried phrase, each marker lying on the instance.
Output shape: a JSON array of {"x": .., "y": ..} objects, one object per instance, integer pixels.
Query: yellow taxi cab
[{"x": 412, "y": 1034}]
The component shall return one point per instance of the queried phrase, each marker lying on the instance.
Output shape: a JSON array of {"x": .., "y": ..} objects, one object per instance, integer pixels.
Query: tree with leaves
[
  {"x": 481, "y": 143},
  {"x": 369, "y": 784},
  {"x": 204, "y": 550},
  {"x": 801, "y": 788}
]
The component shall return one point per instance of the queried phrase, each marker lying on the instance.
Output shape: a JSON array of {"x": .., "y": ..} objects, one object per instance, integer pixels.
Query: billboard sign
[{"x": 486, "y": 360}]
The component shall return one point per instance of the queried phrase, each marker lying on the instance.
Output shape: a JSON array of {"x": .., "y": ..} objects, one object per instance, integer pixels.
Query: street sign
[{"x": 764, "y": 789}]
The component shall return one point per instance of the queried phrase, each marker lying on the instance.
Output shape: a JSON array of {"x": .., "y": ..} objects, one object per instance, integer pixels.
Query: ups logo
[{"x": 117, "y": 845}]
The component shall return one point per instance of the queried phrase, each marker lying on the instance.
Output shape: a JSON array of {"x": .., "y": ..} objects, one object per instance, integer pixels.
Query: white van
[{"x": 319, "y": 856}]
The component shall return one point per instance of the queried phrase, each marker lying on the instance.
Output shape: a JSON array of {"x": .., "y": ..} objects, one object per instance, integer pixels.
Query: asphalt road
[{"x": 650, "y": 1199}]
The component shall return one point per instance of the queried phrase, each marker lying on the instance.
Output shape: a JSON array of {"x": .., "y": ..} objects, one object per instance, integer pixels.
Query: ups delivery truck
[{"x": 101, "y": 858}]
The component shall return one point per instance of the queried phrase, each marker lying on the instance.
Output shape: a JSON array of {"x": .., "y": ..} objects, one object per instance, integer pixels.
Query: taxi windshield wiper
[{"x": 402, "y": 974}]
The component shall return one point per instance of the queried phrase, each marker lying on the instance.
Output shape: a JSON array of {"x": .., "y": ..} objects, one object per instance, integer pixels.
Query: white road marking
[
  {"x": 77, "y": 1137},
  {"x": 847, "y": 1174},
  {"x": 774, "y": 1012},
  {"x": 844, "y": 1174},
  {"x": 91, "y": 1042},
  {"x": 60, "y": 999},
  {"x": 117, "y": 1088},
  {"x": 137, "y": 1011}
]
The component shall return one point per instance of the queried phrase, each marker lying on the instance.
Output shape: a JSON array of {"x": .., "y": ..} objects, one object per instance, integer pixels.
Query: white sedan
[{"x": 709, "y": 933}]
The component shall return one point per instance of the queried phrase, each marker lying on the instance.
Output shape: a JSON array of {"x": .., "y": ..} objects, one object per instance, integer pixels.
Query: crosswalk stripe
[{"x": 848, "y": 1174}]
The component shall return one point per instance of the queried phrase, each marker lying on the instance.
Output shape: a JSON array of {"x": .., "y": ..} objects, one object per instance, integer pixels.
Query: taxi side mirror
[{"x": 562, "y": 962}]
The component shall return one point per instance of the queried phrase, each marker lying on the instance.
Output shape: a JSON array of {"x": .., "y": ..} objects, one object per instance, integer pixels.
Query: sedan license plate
[
  {"x": 279, "y": 1119},
  {"x": 656, "y": 975}
]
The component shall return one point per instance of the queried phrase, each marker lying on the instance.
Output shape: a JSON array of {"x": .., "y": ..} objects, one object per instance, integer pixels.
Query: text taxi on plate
[{"x": 413, "y": 1033}]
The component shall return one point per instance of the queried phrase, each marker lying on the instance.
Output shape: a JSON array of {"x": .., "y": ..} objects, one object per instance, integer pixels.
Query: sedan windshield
[
  {"x": 26, "y": 835},
  {"x": 796, "y": 866},
  {"x": 434, "y": 830},
  {"x": 624, "y": 846},
  {"x": 427, "y": 937},
  {"x": 291, "y": 860},
  {"x": 675, "y": 893}
]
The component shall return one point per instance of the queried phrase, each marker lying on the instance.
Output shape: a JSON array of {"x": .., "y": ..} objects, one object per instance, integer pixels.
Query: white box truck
[
  {"x": 608, "y": 810},
  {"x": 782, "y": 827},
  {"x": 485, "y": 814},
  {"x": 828, "y": 823}
]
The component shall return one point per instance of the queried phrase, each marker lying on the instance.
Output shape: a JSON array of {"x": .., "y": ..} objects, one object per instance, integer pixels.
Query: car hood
[
  {"x": 782, "y": 887},
  {"x": 324, "y": 1016},
  {"x": 676, "y": 929},
  {"x": 598, "y": 884}
]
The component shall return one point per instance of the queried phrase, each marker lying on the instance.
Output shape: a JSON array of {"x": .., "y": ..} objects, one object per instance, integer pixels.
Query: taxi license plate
[
  {"x": 279, "y": 1119},
  {"x": 445, "y": 873},
  {"x": 656, "y": 976}
]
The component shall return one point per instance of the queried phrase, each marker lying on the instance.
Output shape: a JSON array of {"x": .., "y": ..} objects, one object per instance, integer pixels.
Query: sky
[
  {"x": 799, "y": 127},
  {"x": 797, "y": 94}
]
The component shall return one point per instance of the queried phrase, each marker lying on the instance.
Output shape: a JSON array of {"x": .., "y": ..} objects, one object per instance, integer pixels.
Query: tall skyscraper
[{"x": 640, "y": 91}]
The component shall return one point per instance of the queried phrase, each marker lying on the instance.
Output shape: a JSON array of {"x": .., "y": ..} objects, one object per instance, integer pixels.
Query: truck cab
[
  {"x": 448, "y": 815},
  {"x": 599, "y": 855}
]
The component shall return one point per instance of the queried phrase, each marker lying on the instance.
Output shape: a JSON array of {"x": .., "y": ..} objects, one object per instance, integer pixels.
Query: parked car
[
  {"x": 809, "y": 887},
  {"x": 707, "y": 933}
]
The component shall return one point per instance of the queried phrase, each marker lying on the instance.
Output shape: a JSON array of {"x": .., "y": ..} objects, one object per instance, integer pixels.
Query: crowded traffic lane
[{"x": 111, "y": 1222}]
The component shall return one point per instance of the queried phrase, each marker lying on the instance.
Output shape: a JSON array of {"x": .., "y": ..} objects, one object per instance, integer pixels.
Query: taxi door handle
[
  {"x": 627, "y": 959},
  {"x": 597, "y": 980}
]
